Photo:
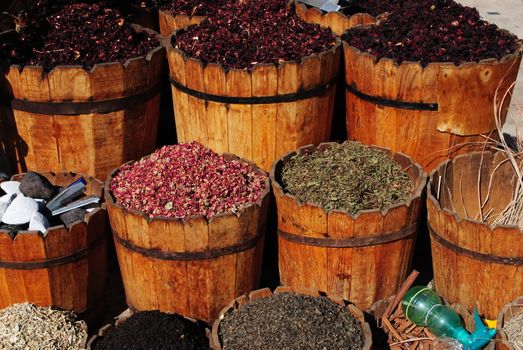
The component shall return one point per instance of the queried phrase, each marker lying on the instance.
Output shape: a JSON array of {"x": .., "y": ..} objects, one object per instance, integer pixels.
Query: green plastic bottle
[{"x": 425, "y": 308}]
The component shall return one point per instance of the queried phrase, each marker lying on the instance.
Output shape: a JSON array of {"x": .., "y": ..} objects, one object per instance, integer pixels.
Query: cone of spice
[
  {"x": 423, "y": 81},
  {"x": 30, "y": 327},
  {"x": 151, "y": 330},
  {"x": 244, "y": 65},
  {"x": 86, "y": 63},
  {"x": 188, "y": 226},
  {"x": 291, "y": 320},
  {"x": 347, "y": 218}
]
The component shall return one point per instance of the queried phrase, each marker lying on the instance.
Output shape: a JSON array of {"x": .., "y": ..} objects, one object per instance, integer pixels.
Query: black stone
[
  {"x": 35, "y": 185},
  {"x": 72, "y": 216}
]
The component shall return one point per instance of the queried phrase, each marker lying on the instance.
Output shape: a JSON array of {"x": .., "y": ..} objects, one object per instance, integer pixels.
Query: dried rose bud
[{"x": 184, "y": 180}]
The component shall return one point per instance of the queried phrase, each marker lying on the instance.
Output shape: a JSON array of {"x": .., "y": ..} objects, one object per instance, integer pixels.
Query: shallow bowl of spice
[
  {"x": 188, "y": 226},
  {"x": 152, "y": 330},
  {"x": 347, "y": 219},
  {"x": 101, "y": 75},
  {"x": 425, "y": 80},
  {"x": 290, "y": 319},
  {"x": 50, "y": 258},
  {"x": 245, "y": 65}
]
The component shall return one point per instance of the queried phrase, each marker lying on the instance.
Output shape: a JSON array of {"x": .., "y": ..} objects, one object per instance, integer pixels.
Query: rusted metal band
[
  {"x": 416, "y": 106},
  {"x": 296, "y": 96},
  {"x": 44, "y": 264},
  {"x": 350, "y": 242},
  {"x": 186, "y": 256},
  {"x": 88, "y": 107},
  {"x": 475, "y": 255}
]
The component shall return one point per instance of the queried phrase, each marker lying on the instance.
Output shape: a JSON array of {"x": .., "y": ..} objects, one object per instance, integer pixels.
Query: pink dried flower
[{"x": 184, "y": 180}]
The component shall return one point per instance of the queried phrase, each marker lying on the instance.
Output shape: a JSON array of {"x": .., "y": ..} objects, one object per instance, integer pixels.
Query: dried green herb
[{"x": 348, "y": 176}]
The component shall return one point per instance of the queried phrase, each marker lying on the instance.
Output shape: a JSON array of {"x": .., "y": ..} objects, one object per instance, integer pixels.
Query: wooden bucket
[
  {"x": 258, "y": 114},
  {"x": 362, "y": 258},
  {"x": 429, "y": 113},
  {"x": 72, "y": 119},
  {"x": 192, "y": 267},
  {"x": 120, "y": 319},
  {"x": 170, "y": 23},
  {"x": 509, "y": 311},
  {"x": 336, "y": 21},
  {"x": 266, "y": 292},
  {"x": 469, "y": 255},
  {"x": 66, "y": 268}
]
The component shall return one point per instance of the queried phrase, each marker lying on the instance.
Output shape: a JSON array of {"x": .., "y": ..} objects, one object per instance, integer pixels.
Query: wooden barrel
[
  {"x": 510, "y": 310},
  {"x": 362, "y": 258},
  {"x": 336, "y": 21},
  {"x": 469, "y": 255},
  {"x": 194, "y": 266},
  {"x": 87, "y": 121},
  {"x": 66, "y": 268},
  {"x": 170, "y": 22},
  {"x": 266, "y": 292},
  {"x": 119, "y": 320},
  {"x": 429, "y": 113},
  {"x": 258, "y": 114}
]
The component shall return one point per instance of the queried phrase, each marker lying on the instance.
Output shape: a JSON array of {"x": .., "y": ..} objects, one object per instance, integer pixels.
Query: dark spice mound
[
  {"x": 348, "y": 176},
  {"x": 194, "y": 7},
  {"x": 372, "y": 7},
  {"x": 187, "y": 179},
  {"x": 155, "y": 330},
  {"x": 433, "y": 31},
  {"x": 78, "y": 34},
  {"x": 289, "y": 321},
  {"x": 252, "y": 32}
]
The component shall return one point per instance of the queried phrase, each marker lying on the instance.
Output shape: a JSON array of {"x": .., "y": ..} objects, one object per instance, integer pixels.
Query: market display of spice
[
  {"x": 79, "y": 34},
  {"x": 27, "y": 326},
  {"x": 290, "y": 321},
  {"x": 410, "y": 218},
  {"x": 154, "y": 330},
  {"x": 348, "y": 176},
  {"x": 187, "y": 180},
  {"x": 433, "y": 31},
  {"x": 246, "y": 34}
]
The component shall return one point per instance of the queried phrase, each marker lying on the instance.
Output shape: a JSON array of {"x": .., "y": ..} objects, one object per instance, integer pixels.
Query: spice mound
[
  {"x": 194, "y": 7},
  {"x": 29, "y": 327},
  {"x": 187, "y": 179},
  {"x": 155, "y": 330},
  {"x": 289, "y": 321},
  {"x": 248, "y": 33},
  {"x": 433, "y": 31},
  {"x": 348, "y": 176},
  {"x": 78, "y": 34}
]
